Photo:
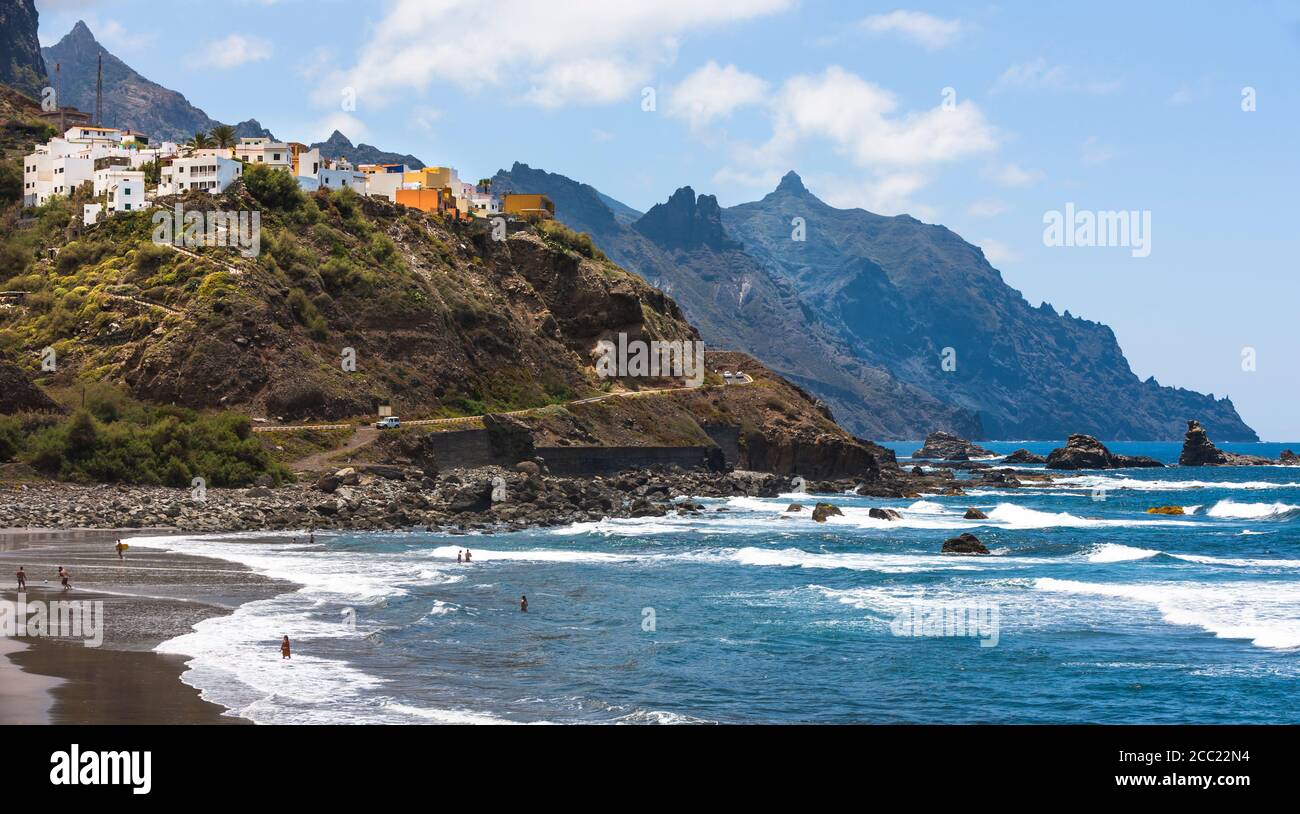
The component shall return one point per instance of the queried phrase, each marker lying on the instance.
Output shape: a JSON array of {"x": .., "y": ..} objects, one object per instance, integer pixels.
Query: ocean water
[{"x": 1089, "y": 610}]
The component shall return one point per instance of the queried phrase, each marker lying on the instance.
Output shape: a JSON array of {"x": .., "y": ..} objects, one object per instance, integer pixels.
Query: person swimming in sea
[
  {"x": 284, "y": 648},
  {"x": 523, "y": 603},
  {"x": 467, "y": 555},
  {"x": 460, "y": 556}
]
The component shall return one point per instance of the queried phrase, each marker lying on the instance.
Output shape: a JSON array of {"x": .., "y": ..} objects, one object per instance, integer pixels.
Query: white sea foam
[
  {"x": 880, "y": 563},
  {"x": 1266, "y": 613},
  {"x": 1229, "y": 509},
  {"x": 1114, "y": 552},
  {"x": 926, "y": 514},
  {"x": 1121, "y": 482},
  {"x": 235, "y": 660}
]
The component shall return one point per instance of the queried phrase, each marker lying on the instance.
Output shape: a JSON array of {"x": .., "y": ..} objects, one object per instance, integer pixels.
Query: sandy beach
[{"x": 148, "y": 597}]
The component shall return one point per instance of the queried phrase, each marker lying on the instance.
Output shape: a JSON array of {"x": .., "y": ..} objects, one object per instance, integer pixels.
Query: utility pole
[{"x": 99, "y": 94}]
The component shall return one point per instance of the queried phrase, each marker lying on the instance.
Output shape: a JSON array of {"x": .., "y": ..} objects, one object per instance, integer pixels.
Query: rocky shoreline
[{"x": 388, "y": 498}]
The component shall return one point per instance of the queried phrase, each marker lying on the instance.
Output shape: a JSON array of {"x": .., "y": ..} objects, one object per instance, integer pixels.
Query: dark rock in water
[
  {"x": 1198, "y": 450},
  {"x": 1288, "y": 458},
  {"x": 1086, "y": 452},
  {"x": 824, "y": 510},
  {"x": 916, "y": 470},
  {"x": 948, "y": 446},
  {"x": 1024, "y": 456},
  {"x": 884, "y": 514},
  {"x": 964, "y": 543},
  {"x": 953, "y": 491},
  {"x": 975, "y": 514},
  {"x": 644, "y": 508},
  {"x": 795, "y": 507}
]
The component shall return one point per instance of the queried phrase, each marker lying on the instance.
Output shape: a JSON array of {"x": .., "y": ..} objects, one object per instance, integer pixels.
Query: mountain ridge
[
  {"x": 893, "y": 295},
  {"x": 131, "y": 101}
]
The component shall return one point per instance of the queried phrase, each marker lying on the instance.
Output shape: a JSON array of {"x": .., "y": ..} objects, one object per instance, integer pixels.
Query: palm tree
[
  {"x": 223, "y": 135},
  {"x": 199, "y": 141}
]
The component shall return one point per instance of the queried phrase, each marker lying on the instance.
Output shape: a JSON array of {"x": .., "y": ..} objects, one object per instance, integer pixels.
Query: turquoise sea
[{"x": 1088, "y": 610}]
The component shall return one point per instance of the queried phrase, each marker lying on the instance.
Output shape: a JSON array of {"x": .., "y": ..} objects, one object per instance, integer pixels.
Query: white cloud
[
  {"x": 599, "y": 136},
  {"x": 996, "y": 251},
  {"x": 547, "y": 54},
  {"x": 118, "y": 37},
  {"x": 714, "y": 92},
  {"x": 926, "y": 29},
  {"x": 899, "y": 153},
  {"x": 231, "y": 52},
  {"x": 987, "y": 208},
  {"x": 426, "y": 117},
  {"x": 1039, "y": 75},
  {"x": 1094, "y": 152},
  {"x": 861, "y": 120},
  {"x": 888, "y": 194},
  {"x": 1012, "y": 174},
  {"x": 345, "y": 123}
]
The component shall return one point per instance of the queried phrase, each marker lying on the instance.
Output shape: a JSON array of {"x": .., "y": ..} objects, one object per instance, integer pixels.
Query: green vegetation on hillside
[{"x": 115, "y": 439}]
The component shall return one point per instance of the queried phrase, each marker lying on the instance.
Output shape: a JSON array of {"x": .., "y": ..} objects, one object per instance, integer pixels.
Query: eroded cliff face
[
  {"x": 21, "y": 64},
  {"x": 862, "y": 310},
  {"x": 354, "y": 303}
]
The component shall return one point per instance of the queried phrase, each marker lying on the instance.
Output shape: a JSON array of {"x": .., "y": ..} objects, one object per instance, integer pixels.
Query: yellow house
[
  {"x": 529, "y": 206},
  {"x": 432, "y": 177}
]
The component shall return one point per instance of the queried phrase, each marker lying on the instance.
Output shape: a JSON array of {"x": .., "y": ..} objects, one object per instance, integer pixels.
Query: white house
[
  {"x": 122, "y": 189},
  {"x": 332, "y": 178},
  {"x": 86, "y": 134},
  {"x": 207, "y": 172},
  {"x": 264, "y": 151},
  {"x": 308, "y": 163}
]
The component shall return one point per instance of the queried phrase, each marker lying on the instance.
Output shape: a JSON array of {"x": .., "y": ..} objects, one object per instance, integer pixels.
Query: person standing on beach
[
  {"x": 121, "y": 549},
  {"x": 523, "y": 604},
  {"x": 22, "y": 579},
  {"x": 65, "y": 576},
  {"x": 284, "y": 648}
]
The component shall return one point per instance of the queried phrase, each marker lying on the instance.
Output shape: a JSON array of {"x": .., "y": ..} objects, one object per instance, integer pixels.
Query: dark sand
[{"x": 148, "y": 598}]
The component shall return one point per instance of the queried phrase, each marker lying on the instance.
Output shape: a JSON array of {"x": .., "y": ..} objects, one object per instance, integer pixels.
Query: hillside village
[{"x": 115, "y": 170}]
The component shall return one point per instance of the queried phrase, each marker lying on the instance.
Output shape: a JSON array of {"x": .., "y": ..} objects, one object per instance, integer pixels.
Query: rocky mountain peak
[
  {"x": 686, "y": 222},
  {"x": 791, "y": 183}
]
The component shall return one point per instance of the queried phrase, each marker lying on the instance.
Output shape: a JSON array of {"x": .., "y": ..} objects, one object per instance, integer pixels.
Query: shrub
[
  {"x": 141, "y": 444},
  {"x": 274, "y": 189}
]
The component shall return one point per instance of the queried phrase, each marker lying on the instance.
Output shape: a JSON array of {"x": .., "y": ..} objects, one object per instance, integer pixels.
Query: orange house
[
  {"x": 529, "y": 205},
  {"x": 426, "y": 200}
]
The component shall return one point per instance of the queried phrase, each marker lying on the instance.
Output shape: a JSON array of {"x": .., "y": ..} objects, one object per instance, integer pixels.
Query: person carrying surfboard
[{"x": 121, "y": 549}]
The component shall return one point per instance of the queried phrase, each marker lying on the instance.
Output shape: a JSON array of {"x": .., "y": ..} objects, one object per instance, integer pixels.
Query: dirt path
[
  {"x": 478, "y": 419},
  {"x": 321, "y": 460},
  {"x": 367, "y": 433}
]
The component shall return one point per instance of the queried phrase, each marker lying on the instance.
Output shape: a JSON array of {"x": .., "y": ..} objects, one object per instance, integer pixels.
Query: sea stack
[
  {"x": 1198, "y": 450},
  {"x": 949, "y": 447},
  {"x": 1086, "y": 452}
]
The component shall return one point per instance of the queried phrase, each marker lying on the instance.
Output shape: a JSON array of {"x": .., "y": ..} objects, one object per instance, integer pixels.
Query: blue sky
[{"x": 1109, "y": 106}]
